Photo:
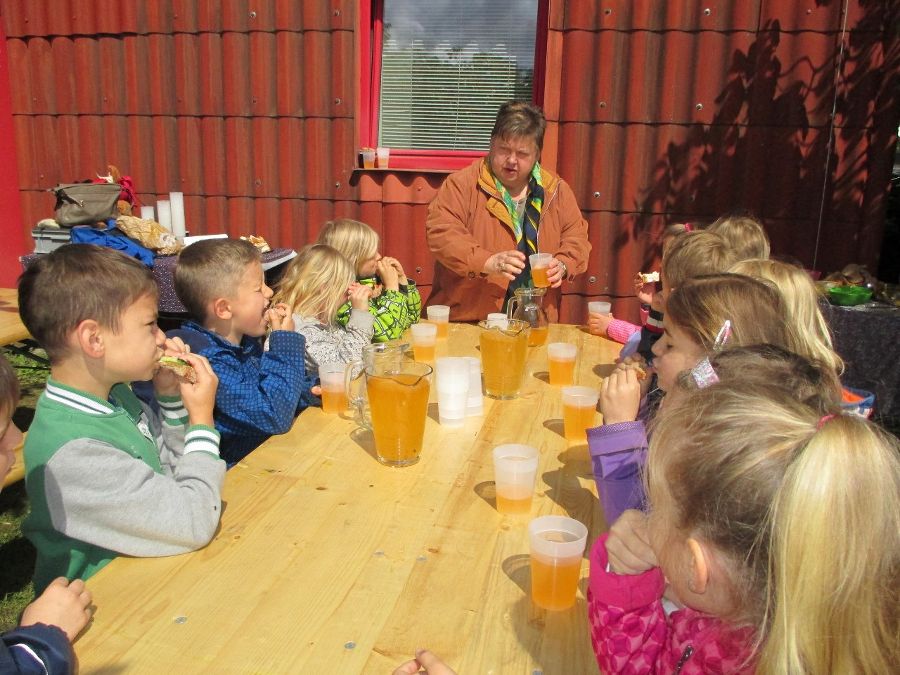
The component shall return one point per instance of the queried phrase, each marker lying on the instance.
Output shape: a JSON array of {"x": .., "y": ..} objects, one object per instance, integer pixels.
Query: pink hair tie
[
  {"x": 823, "y": 420},
  {"x": 688, "y": 227}
]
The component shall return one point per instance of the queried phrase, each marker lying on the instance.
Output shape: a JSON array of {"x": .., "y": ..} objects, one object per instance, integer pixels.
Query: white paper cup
[
  {"x": 515, "y": 468},
  {"x": 452, "y": 378}
]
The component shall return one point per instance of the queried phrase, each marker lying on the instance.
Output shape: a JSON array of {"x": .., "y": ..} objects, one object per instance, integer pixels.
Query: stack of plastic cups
[
  {"x": 497, "y": 319},
  {"x": 475, "y": 401},
  {"x": 452, "y": 376}
]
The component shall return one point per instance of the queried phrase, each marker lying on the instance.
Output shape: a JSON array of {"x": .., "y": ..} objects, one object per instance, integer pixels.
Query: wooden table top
[
  {"x": 327, "y": 561},
  {"x": 11, "y": 327}
]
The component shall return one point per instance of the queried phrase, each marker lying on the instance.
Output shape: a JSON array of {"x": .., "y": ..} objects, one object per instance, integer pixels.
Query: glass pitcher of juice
[
  {"x": 381, "y": 355},
  {"x": 503, "y": 353},
  {"x": 526, "y": 306},
  {"x": 398, "y": 403}
]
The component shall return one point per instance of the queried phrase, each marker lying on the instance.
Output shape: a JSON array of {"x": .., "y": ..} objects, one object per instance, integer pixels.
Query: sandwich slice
[{"x": 180, "y": 367}]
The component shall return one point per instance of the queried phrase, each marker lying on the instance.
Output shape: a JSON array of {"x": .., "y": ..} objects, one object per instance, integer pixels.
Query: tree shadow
[{"x": 806, "y": 145}]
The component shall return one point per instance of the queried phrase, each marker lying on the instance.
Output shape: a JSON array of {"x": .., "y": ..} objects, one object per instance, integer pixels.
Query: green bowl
[{"x": 849, "y": 295}]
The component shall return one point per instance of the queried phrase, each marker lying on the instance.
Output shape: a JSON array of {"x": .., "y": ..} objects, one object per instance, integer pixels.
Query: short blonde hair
[
  {"x": 700, "y": 306},
  {"x": 691, "y": 254},
  {"x": 315, "y": 283},
  {"x": 353, "y": 239},
  {"x": 802, "y": 306},
  {"x": 803, "y": 509},
  {"x": 744, "y": 234}
]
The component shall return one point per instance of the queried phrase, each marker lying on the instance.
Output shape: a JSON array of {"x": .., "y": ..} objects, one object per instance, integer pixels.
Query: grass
[{"x": 16, "y": 553}]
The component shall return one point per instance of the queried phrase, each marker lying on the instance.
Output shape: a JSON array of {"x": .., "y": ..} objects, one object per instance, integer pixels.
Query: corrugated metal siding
[{"x": 658, "y": 111}]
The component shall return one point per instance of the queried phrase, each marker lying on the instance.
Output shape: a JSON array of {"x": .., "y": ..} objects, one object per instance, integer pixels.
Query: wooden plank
[
  {"x": 11, "y": 327},
  {"x": 327, "y": 561}
]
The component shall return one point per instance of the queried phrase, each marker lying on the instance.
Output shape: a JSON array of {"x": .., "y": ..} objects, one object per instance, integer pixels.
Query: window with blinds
[{"x": 446, "y": 66}]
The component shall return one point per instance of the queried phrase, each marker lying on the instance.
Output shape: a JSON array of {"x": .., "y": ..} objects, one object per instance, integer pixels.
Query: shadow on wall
[{"x": 819, "y": 182}]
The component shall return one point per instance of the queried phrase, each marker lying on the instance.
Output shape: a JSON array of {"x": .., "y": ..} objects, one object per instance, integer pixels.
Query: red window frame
[{"x": 371, "y": 13}]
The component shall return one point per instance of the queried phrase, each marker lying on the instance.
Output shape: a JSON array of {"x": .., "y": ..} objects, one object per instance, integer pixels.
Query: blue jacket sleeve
[
  {"x": 36, "y": 649},
  {"x": 264, "y": 399}
]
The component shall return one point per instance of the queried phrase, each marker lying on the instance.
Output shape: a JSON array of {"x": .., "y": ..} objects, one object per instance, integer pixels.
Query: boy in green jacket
[{"x": 105, "y": 474}]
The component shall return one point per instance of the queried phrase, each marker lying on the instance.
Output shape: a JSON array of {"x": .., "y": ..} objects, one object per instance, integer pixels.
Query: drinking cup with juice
[
  {"x": 556, "y": 547},
  {"x": 579, "y": 412},
  {"x": 540, "y": 265},
  {"x": 515, "y": 468},
  {"x": 439, "y": 315},
  {"x": 424, "y": 336},
  {"x": 503, "y": 352},
  {"x": 561, "y": 358},
  {"x": 334, "y": 393}
]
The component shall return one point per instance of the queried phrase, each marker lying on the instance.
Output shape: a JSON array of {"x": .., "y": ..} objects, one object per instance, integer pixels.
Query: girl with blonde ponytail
[{"x": 775, "y": 519}]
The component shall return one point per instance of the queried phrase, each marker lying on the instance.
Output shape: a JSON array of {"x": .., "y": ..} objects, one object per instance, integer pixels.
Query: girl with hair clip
[
  {"x": 703, "y": 315},
  {"x": 774, "y": 519},
  {"x": 395, "y": 302},
  {"x": 315, "y": 284}
]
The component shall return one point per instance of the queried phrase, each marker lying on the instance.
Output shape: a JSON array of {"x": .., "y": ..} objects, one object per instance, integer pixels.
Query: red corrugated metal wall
[{"x": 659, "y": 111}]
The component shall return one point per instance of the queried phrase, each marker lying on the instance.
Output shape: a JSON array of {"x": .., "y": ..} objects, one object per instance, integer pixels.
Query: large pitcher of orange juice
[
  {"x": 382, "y": 355},
  {"x": 503, "y": 352},
  {"x": 526, "y": 306},
  {"x": 398, "y": 404}
]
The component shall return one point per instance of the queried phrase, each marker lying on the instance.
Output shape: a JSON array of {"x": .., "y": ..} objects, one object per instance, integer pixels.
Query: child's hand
[
  {"x": 280, "y": 317},
  {"x": 644, "y": 291},
  {"x": 388, "y": 274},
  {"x": 657, "y": 302},
  {"x": 598, "y": 323},
  {"x": 359, "y": 295},
  {"x": 316, "y": 390},
  {"x": 620, "y": 396},
  {"x": 628, "y": 545},
  {"x": 166, "y": 382},
  {"x": 401, "y": 275},
  {"x": 424, "y": 660},
  {"x": 200, "y": 397},
  {"x": 63, "y": 604}
]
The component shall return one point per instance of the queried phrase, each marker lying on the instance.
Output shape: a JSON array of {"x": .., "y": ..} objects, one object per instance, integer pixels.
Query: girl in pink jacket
[{"x": 774, "y": 520}]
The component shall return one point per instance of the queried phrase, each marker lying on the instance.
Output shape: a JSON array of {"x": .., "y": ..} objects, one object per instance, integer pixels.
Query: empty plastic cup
[
  {"x": 579, "y": 412},
  {"x": 599, "y": 307},
  {"x": 556, "y": 545},
  {"x": 424, "y": 336},
  {"x": 475, "y": 402},
  {"x": 334, "y": 394},
  {"x": 452, "y": 376},
  {"x": 440, "y": 316},
  {"x": 515, "y": 467},
  {"x": 540, "y": 264},
  {"x": 561, "y": 362}
]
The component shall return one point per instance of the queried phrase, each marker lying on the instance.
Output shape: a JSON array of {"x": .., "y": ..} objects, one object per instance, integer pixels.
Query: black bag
[{"x": 85, "y": 203}]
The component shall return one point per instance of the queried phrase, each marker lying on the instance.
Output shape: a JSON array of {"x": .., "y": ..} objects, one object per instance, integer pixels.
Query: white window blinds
[{"x": 447, "y": 65}]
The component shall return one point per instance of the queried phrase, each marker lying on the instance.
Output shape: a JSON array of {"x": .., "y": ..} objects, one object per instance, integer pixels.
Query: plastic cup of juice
[
  {"x": 515, "y": 468},
  {"x": 439, "y": 315},
  {"x": 556, "y": 546},
  {"x": 424, "y": 336},
  {"x": 540, "y": 264},
  {"x": 579, "y": 412},
  {"x": 334, "y": 393},
  {"x": 561, "y": 358}
]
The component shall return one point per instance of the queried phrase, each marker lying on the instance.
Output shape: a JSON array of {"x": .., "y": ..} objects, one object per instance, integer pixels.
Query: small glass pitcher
[
  {"x": 526, "y": 306},
  {"x": 383, "y": 356}
]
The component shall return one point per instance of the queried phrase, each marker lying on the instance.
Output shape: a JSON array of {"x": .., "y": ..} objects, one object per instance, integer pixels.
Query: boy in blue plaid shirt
[{"x": 222, "y": 285}]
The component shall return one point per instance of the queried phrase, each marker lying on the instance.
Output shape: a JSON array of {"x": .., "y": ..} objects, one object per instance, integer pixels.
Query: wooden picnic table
[
  {"x": 327, "y": 561},
  {"x": 11, "y": 327}
]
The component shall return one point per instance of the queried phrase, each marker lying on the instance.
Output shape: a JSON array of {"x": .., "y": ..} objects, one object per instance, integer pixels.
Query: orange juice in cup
[
  {"x": 334, "y": 394},
  {"x": 579, "y": 412},
  {"x": 439, "y": 315},
  {"x": 540, "y": 266},
  {"x": 556, "y": 547},
  {"x": 424, "y": 336},
  {"x": 561, "y": 363},
  {"x": 515, "y": 468}
]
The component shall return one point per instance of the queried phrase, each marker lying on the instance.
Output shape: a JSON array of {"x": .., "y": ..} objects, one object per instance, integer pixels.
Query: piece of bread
[
  {"x": 649, "y": 277},
  {"x": 180, "y": 367}
]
